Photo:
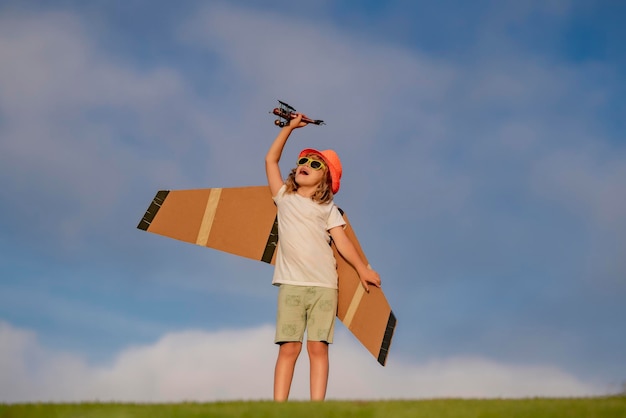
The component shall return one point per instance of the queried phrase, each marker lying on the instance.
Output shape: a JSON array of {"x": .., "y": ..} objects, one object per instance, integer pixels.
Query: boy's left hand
[{"x": 369, "y": 276}]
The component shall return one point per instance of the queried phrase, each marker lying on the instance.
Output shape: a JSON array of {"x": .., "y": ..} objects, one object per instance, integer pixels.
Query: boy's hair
[{"x": 323, "y": 194}]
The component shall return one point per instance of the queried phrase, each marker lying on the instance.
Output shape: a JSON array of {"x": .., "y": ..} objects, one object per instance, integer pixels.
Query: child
[{"x": 305, "y": 266}]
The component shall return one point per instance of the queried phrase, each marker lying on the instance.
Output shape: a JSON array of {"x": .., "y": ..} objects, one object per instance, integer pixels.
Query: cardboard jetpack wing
[{"x": 242, "y": 221}]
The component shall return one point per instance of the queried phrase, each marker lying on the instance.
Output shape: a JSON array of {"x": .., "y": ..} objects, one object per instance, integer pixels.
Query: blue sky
[{"x": 484, "y": 170}]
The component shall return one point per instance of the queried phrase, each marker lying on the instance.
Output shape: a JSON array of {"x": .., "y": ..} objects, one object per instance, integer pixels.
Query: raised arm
[{"x": 272, "y": 170}]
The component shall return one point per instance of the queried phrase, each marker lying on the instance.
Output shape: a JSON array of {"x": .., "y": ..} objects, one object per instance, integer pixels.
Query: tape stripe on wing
[
  {"x": 353, "y": 306},
  {"x": 384, "y": 348},
  {"x": 272, "y": 243},
  {"x": 209, "y": 217},
  {"x": 154, "y": 207}
]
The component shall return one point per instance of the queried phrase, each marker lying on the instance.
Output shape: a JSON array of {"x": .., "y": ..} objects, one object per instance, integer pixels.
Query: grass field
[{"x": 605, "y": 407}]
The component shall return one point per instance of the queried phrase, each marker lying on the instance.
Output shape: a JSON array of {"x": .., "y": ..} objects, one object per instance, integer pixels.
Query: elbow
[{"x": 271, "y": 159}]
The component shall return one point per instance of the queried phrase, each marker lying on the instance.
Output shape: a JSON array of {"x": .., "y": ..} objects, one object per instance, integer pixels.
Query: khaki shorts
[{"x": 305, "y": 307}]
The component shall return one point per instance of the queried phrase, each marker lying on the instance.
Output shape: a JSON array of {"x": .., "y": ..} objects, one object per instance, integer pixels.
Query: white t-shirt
[{"x": 304, "y": 256}]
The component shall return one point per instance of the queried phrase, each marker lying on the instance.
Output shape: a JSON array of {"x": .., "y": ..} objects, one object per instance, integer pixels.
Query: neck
[{"x": 306, "y": 191}]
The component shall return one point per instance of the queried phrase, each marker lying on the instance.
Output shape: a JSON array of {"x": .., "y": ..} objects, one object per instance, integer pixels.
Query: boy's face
[{"x": 308, "y": 176}]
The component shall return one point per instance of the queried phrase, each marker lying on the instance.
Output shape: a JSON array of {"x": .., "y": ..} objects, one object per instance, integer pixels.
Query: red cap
[{"x": 333, "y": 162}]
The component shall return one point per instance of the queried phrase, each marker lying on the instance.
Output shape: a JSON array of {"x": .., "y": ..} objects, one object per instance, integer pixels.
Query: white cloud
[
  {"x": 238, "y": 364},
  {"x": 589, "y": 184},
  {"x": 79, "y": 128},
  {"x": 589, "y": 180}
]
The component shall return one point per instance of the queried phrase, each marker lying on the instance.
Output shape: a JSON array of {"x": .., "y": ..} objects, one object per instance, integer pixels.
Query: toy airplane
[{"x": 285, "y": 113}]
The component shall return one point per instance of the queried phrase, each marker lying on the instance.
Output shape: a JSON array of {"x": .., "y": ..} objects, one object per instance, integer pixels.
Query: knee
[
  {"x": 290, "y": 350},
  {"x": 317, "y": 349}
]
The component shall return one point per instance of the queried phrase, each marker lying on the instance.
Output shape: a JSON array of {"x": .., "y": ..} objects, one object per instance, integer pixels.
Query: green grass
[{"x": 602, "y": 407}]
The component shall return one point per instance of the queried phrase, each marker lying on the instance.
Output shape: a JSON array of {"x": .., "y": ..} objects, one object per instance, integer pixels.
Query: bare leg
[
  {"x": 283, "y": 373},
  {"x": 318, "y": 356}
]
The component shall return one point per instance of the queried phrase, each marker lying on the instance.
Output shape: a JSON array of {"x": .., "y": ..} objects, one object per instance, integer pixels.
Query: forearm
[
  {"x": 272, "y": 169},
  {"x": 276, "y": 149},
  {"x": 348, "y": 251}
]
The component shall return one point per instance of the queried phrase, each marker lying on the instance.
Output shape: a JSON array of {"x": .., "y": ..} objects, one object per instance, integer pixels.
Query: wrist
[{"x": 361, "y": 269}]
